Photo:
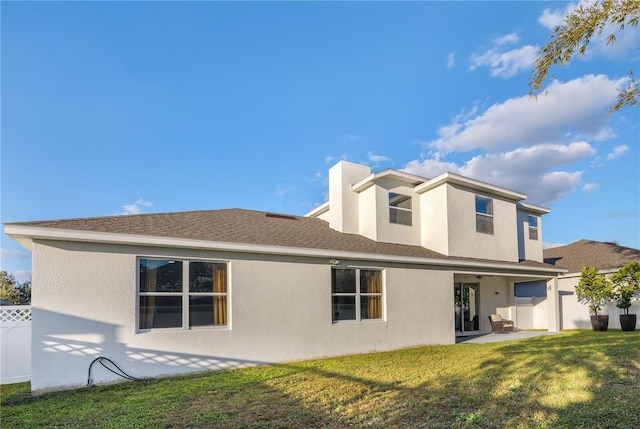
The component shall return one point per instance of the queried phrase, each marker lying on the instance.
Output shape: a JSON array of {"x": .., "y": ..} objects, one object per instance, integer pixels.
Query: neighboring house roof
[
  {"x": 590, "y": 253},
  {"x": 235, "y": 226}
]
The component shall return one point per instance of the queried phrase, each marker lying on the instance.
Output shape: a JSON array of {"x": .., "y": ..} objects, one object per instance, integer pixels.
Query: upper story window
[
  {"x": 356, "y": 294},
  {"x": 399, "y": 209},
  {"x": 533, "y": 227},
  {"x": 484, "y": 215},
  {"x": 181, "y": 294}
]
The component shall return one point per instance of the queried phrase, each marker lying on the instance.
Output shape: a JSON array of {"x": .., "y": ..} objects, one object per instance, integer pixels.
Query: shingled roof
[
  {"x": 242, "y": 226},
  {"x": 590, "y": 253}
]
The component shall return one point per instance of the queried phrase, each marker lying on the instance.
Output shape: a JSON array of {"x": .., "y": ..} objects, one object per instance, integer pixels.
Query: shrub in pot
[
  {"x": 594, "y": 290},
  {"x": 626, "y": 287}
]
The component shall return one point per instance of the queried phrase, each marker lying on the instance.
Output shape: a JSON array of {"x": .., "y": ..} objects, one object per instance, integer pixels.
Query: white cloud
[
  {"x": 618, "y": 151},
  {"x": 280, "y": 191},
  {"x": 551, "y": 18},
  {"x": 22, "y": 276},
  {"x": 570, "y": 110},
  {"x": 504, "y": 62},
  {"x": 549, "y": 244},
  {"x": 451, "y": 60},
  {"x": 590, "y": 187},
  {"x": 351, "y": 137},
  {"x": 377, "y": 158},
  {"x": 507, "y": 64},
  {"x": 135, "y": 208},
  {"x": 13, "y": 254},
  {"x": 531, "y": 170},
  {"x": 507, "y": 39}
]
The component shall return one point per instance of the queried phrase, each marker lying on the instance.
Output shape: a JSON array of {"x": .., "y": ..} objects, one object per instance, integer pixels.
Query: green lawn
[{"x": 578, "y": 379}]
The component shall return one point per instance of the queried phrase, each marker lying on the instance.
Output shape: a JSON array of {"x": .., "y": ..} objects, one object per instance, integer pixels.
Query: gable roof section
[
  {"x": 590, "y": 253},
  {"x": 242, "y": 230}
]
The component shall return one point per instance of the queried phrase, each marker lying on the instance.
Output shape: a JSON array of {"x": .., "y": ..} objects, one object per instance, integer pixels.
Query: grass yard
[{"x": 580, "y": 379}]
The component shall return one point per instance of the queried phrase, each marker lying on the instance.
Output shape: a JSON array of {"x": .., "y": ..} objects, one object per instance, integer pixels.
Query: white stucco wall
[
  {"x": 575, "y": 315},
  {"x": 368, "y": 212},
  {"x": 434, "y": 232},
  {"x": 464, "y": 241},
  {"x": 527, "y": 248},
  {"x": 84, "y": 306},
  {"x": 343, "y": 202},
  {"x": 501, "y": 302},
  {"x": 377, "y": 216}
]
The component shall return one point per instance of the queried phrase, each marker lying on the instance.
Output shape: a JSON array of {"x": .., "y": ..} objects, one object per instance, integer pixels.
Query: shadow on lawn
[{"x": 581, "y": 379}]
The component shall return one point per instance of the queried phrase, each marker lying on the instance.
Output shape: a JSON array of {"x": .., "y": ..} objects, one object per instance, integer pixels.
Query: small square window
[{"x": 400, "y": 209}]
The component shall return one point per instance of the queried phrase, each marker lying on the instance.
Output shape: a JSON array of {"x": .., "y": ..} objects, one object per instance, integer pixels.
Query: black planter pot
[
  {"x": 628, "y": 322},
  {"x": 600, "y": 322}
]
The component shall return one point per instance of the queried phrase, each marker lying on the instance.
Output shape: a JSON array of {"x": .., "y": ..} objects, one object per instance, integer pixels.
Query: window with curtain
[
  {"x": 356, "y": 294},
  {"x": 181, "y": 294}
]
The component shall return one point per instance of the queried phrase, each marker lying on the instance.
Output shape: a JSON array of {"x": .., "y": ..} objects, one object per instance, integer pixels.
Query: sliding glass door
[{"x": 466, "y": 300}]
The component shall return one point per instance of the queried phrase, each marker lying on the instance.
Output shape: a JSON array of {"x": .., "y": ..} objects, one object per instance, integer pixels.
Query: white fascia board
[
  {"x": 467, "y": 182},
  {"x": 578, "y": 274},
  {"x": 322, "y": 208},
  {"x": 533, "y": 208},
  {"x": 39, "y": 233},
  {"x": 401, "y": 176}
]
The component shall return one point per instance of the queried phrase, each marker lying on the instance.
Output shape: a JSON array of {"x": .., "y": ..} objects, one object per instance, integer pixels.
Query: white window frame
[
  {"x": 533, "y": 229},
  {"x": 484, "y": 215},
  {"x": 185, "y": 294},
  {"x": 357, "y": 295},
  {"x": 397, "y": 208}
]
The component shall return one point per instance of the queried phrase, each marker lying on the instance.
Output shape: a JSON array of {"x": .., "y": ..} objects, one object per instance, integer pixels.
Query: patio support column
[
  {"x": 513, "y": 310},
  {"x": 553, "y": 305}
]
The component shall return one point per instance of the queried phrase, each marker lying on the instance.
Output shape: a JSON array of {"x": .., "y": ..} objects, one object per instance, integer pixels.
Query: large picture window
[
  {"x": 399, "y": 209},
  {"x": 484, "y": 215},
  {"x": 356, "y": 294},
  {"x": 181, "y": 294}
]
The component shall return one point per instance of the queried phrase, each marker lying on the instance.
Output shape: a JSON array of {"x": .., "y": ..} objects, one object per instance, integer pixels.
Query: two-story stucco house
[{"x": 391, "y": 260}]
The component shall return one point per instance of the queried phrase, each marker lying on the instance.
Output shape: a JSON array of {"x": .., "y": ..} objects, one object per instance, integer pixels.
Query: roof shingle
[
  {"x": 590, "y": 253},
  {"x": 247, "y": 227}
]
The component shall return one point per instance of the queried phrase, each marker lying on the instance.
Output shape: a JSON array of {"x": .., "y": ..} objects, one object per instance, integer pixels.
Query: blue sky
[{"x": 138, "y": 107}]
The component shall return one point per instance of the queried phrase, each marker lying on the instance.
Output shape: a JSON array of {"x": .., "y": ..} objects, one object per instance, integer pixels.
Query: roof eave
[
  {"x": 476, "y": 185},
  {"x": 401, "y": 176},
  {"x": 321, "y": 209}
]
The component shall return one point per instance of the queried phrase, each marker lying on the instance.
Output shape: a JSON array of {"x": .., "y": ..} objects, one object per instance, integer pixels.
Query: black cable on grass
[{"x": 118, "y": 371}]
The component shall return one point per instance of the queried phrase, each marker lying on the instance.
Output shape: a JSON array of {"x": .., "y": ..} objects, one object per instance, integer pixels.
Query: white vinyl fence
[
  {"x": 531, "y": 312},
  {"x": 15, "y": 343}
]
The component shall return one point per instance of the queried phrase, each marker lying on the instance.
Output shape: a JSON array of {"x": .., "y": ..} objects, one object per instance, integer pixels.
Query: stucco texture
[{"x": 85, "y": 305}]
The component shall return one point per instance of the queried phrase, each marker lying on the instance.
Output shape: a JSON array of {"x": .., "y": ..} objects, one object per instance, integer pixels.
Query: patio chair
[{"x": 500, "y": 325}]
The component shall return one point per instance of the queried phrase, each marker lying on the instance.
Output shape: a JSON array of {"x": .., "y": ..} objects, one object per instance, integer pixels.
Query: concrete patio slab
[{"x": 494, "y": 338}]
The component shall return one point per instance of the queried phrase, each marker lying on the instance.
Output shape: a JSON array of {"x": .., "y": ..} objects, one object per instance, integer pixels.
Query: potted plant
[
  {"x": 594, "y": 290},
  {"x": 626, "y": 286}
]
